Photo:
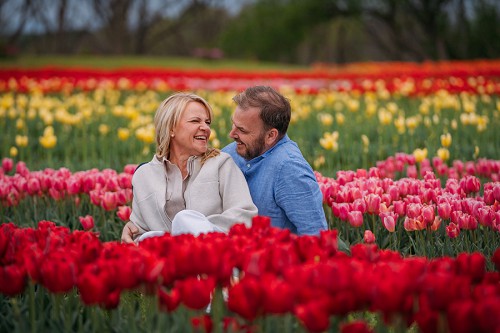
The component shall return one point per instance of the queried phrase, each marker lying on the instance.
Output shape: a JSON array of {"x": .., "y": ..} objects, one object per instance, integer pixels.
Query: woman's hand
[{"x": 129, "y": 230}]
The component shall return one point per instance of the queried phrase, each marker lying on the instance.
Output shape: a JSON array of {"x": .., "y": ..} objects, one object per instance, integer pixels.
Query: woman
[{"x": 187, "y": 187}]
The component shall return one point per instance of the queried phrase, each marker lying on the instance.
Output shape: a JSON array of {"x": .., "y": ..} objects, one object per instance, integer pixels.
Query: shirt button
[{"x": 248, "y": 165}]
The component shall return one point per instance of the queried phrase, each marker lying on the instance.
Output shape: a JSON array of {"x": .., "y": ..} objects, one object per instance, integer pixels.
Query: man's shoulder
[{"x": 289, "y": 150}]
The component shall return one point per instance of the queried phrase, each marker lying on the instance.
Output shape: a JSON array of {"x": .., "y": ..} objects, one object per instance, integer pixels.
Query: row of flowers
[
  {"x": 278, "y": 273},
  {"x": 391, "y": 190},
  {"x": 407, "y": 79},
  {"x": 422, "y": 203}
]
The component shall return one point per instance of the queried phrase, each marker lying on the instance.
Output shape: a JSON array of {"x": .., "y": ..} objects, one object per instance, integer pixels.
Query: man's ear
[{"x": 272, "y": 137}]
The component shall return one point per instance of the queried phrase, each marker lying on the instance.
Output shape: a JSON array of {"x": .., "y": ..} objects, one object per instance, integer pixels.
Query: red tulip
[
  {"x": 169, "y": 301},
  {"x": 278, "y": 295},
  {"x": 245, "y": 298},
  {"x": 314, "y": 315},
  {"x": 358, "y": 326},
  {"x": 202, "y": 323},
  {"x": 195, "y": 292},
  {"x": 471, "y": 264},
  {"x": 496, "y": 259},
  {"x": 13, "y": 279},
  {"x": 96, "y": 284},
  {"x": 59, "y": 271},
  {"x": 461, "y": 318}
]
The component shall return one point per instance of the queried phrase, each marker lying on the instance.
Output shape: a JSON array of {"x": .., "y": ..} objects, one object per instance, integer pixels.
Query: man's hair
[{"x": 275, "y": 109}]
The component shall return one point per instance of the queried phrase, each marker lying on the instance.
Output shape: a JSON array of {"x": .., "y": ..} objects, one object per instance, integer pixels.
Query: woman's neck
[{"x": 181, "y": 162}]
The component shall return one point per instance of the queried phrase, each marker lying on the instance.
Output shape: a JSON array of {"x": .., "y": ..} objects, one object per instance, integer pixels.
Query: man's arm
[{"x": 297, "y": 192}]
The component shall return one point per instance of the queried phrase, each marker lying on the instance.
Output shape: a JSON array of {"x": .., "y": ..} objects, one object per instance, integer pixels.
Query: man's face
[{"x": 248, "y": 132}]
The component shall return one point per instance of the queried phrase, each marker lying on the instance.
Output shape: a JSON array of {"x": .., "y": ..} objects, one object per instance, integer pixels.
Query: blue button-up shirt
[{"x": 283, "y": 186}]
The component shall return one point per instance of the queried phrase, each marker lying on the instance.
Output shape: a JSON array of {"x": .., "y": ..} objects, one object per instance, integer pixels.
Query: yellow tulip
[
  {"x": 340, "y": 118},
  {"x": 21, "y": 140},
  {"x": 103, "y": 129},
  {"x": 319, "y": 161},
  {"x": 20, "y": 124},
  {"x": 446, "y": 140},
  {"x": 366, "y": 143},
  {"x": 443, "y": 154},
  {"x": 420, "y": 154},
  {"x": 48, "y": 141},
  {"x": 123, "y": 133},
  {"x": 476, "y": 152},
  {"x": 326, "y": 119},
  {"x": 13, "y": 151},
  {"x": 384, "y": 116}
]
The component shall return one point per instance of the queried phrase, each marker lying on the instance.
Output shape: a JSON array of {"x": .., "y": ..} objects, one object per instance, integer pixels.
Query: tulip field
[{"x": 407, "y": 157}]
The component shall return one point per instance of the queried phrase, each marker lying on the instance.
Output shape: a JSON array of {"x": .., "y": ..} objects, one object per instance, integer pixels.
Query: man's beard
[{"x": 256, "y": 149}]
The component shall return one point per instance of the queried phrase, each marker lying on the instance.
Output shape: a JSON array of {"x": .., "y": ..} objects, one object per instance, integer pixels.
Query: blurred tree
[{"x": 295, "y": 31}]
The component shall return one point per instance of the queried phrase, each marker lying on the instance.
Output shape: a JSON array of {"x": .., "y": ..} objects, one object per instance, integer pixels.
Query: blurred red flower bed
[{"x": 480, "y": 76}]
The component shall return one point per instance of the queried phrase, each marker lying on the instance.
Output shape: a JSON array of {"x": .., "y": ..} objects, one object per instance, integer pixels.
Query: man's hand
[{"x": 129, "y": 230}]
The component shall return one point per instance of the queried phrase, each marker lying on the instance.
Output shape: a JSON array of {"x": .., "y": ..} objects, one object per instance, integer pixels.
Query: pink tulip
[
  {"x": 343, "y": 211},
  {"x": 436, "y": 223},
  {"x": 109, "y": 200},
  {"x": 359, "y": 204},
  {"x": 7, "y": 164},
  {"x": 452, "y": 230},
  {"x": 22, "y": 169},
  {"x": 411, "y": 171},
  {"x": 355, "y": 218},
  {"x": 413, "y": 210},
  {"x": 124, "y": 212},
  {"x": 389, "y": 220},
  {"x": 428, "y": 214},
  {"x": 369, "y": 237},
  {"x": 444, "y": 210},
  {"x": 399, "y": 207},
  {"x": 87, "y": 222},
  {"x": 373, "y": 203},
  {"x": 33, "y": 186}
]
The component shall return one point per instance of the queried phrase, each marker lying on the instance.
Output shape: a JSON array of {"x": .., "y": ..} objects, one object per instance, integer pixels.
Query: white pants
[{"x": 186, "y": 222}]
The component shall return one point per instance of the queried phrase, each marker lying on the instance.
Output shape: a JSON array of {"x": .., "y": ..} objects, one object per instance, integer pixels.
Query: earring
[{"x": 172, "y": 134}]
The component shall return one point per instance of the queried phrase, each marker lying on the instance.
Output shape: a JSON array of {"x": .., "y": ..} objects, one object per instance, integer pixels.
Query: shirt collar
[{"x": 268, "y": 152}]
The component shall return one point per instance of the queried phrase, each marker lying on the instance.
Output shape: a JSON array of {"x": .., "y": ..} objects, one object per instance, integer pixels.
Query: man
[{"x": 281, "y": 182}]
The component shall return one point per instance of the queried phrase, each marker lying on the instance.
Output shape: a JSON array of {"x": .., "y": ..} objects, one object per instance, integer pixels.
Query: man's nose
[{"x": 232, "y": 132}]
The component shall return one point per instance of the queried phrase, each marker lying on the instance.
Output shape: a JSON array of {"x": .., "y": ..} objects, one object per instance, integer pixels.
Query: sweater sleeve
[{"x": 237, "y": 204}]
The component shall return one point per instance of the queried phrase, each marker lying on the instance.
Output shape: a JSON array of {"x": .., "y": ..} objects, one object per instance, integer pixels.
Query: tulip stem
[{"x": 31, "y": 291}]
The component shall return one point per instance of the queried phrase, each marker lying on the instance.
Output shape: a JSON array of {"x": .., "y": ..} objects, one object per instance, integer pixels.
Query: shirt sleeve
[
  {"x": 297, "y": 192},
  {"x": 237, "y": 204}
]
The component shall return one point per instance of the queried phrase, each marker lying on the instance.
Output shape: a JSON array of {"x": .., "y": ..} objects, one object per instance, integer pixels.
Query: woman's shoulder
[{"x": 146, "y": 168}]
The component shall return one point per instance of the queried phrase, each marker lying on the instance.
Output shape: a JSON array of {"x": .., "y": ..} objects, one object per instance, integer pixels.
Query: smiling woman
[{"x": 187, "y": 187}]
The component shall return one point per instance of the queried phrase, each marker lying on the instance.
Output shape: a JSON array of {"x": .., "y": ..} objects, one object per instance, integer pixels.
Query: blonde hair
[{"x": 167, "y": 117}]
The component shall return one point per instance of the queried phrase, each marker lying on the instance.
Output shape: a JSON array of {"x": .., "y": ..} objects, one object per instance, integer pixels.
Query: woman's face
[{"x": 192, "y": 132}]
